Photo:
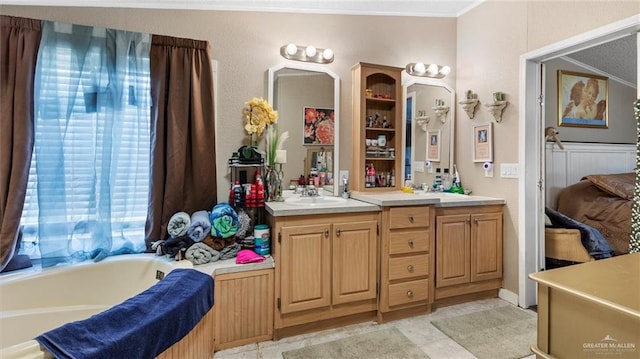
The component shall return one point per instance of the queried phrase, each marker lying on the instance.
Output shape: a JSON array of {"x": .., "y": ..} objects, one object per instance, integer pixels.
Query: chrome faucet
[{"x": 308, "y": 191}]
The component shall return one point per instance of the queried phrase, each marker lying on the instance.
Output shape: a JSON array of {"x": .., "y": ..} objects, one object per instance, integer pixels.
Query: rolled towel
[
  {"x": 179, "y": 224},
  {"x": 224, "y": 221},
  {"x": 230, "y": 251},
  {"x": 215, "y": 242},
  {"x": 200, "y": 253},
  {"x": 172, "y": 246},
  {"x": 200, "y": 226}
]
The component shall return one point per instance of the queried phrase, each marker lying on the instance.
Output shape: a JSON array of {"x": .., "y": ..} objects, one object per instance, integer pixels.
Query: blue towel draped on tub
[{"x": 141, "y": 327}]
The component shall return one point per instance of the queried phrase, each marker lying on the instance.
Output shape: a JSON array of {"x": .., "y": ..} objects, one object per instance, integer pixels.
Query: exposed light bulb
[
  {"x": 432, "y": 69},
  {"x": 445, "y": 70},
  {"x": 310, "y": 51},
  {"x": 291, "y": 49},
  {"x": 327, "y": 54},
  {"x": 419, "y": 67}
]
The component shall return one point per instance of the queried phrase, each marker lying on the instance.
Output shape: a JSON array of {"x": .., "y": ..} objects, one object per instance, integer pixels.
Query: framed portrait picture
[
  {"x": 483, "y": 143},
  {"x": 582, "y": 100},
  {"x": 433, "y": 145},
  {"x": 319, "y": 126}
]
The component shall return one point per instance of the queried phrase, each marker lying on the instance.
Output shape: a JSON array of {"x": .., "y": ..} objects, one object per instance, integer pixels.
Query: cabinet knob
[
  {"x": 411, "y": 243},
  {"x": 468, "y": 220},
  {"x": 476, "y": 220},
  {"x": 410, "y": 268},
  {"x": 411, "y": 219},
  {"x": 409, "y": 294},
  {"x": 326, "y": 233},
  {"x": 338, "y": 232}
]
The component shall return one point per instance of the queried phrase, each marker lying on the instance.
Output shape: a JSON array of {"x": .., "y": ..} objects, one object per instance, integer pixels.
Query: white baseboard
[{"x": 508, "y": 295}]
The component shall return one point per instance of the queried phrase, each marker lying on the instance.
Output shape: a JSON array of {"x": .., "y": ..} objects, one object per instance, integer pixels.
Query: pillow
[{"x": 621, "y": 184}]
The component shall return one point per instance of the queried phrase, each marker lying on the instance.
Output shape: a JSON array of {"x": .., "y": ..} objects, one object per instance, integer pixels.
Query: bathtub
[{"x": 34, "y": 301}]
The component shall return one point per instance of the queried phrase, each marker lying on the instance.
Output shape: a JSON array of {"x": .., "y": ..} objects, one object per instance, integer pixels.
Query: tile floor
[{"x": 418, "y": 329}]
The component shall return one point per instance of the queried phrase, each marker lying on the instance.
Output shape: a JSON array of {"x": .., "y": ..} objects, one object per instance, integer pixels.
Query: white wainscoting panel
[{"x": 568, "y": 166}]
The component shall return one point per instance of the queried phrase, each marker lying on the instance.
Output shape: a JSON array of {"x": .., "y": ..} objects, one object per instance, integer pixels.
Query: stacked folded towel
[
  {"x": 200, "y": 226},
  {"x": 224, "y": 221},
  {"x": 200, "y": 253},
  {"x": 179, "y": 224}
]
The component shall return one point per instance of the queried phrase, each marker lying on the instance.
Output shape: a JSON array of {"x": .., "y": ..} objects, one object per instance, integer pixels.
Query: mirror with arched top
[
  {"x": 429, "y": 128},
  {"x": 307, "y": 98}
]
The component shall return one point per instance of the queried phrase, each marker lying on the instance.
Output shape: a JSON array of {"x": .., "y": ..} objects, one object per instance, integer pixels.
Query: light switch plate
[
  {"x": 509, "y": 170},
  {"x": 418, "y": 166}
]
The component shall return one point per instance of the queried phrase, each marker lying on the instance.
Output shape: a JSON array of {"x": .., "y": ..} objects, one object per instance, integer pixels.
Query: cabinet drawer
[
  {"x": 408, "y": 267},
  {"x": 409, "y": 241},
  {"x": 408, "y": 292},
  {"x": 409, "y": 217}
]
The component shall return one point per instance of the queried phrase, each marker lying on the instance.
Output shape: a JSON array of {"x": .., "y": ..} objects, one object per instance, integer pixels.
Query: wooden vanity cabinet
[
  {"x": 468, "y": 250},
  {"x": 326, "y": 267},
  {"x": 377, "y": 113},
  {"x": 244, "y": 308},
  {"x": 407, "y": 261}
]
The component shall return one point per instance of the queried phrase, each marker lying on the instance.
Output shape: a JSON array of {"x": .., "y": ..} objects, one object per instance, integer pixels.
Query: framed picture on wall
[
  {"x": 483, "y": 143},
  {"x": 319, "y": 126},
  {"x": 433, "y": 145},
  {"x": 582, "y": 100}
]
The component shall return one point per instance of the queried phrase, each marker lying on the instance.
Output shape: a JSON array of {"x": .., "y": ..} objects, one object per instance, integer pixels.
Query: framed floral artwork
[
  {"x": 582, "y": 100},
  {"x": 483, "y": 143},
  {"x": 433, "y": 145},
  {"x": 319, "y": 126}
]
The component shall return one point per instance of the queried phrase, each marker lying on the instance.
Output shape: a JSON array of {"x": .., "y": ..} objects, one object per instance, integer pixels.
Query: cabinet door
[
  {"x": 452, "y": 250},
  {"x": 305, "y": 267},
  {"x": 486, "y": 246},
  {"x": 355, "y": 251}
]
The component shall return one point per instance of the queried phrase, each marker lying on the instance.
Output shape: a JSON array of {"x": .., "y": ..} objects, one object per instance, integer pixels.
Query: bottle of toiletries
[
  {"x": 393, "y": 179},
  {"x": 446, "y": 180},
  {"x": 437, "y": 180}
]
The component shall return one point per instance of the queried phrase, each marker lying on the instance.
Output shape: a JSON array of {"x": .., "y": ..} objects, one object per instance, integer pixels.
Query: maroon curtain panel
[
  {"x": 19, "y": 43},
  {"x": 183, "y": 159}
]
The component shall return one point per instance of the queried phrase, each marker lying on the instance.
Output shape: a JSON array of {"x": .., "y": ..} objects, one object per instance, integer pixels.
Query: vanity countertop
[
  {"x": 230, "y": 266},
  {"x": 279, "y": 209},
  {"x": 438, "y": 199}
]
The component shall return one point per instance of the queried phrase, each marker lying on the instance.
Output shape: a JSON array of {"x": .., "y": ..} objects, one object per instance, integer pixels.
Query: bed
[{"x": 592, "y": 219}]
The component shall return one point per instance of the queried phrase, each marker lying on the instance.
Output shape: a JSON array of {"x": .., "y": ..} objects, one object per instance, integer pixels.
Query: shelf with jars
[{"x": 377, "y": 126}]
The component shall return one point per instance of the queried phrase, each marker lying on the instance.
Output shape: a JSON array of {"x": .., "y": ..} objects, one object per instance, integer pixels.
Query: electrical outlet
[{"x": 344, "y": 174}]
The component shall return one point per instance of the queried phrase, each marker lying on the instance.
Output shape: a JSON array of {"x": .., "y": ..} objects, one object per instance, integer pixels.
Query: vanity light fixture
[
  {"x": 307, "y": 53},
  {"x": 422, "y": 70}
]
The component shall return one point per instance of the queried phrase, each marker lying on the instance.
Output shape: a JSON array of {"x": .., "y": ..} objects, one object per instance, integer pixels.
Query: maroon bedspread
[{"x": 603, "y": 202}]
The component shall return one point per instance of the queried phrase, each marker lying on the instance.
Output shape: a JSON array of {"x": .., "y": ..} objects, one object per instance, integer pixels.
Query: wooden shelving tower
[{"x": 377, "y": 95}]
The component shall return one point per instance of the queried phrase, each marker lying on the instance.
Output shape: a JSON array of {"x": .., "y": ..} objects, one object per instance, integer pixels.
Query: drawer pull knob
[
  {"x": 338, "y": 232},
  {"x": 411, "y": 219},
  {"x": 410, "y": 268},
  {"x": 326, "y": 233},
  {"x": 476, "y": 220},
  {"x": 411, "y": 243},
  {"x": 409, "y": 294}
]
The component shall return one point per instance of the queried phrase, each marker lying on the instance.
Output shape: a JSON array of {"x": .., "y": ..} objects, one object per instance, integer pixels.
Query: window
[{"x": 89, "y": 176}]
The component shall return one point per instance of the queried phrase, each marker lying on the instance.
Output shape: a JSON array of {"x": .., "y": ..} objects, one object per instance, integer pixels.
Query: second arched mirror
[
  {"x": 307, "y": 98},
  {"x": 429, "y": 128}
]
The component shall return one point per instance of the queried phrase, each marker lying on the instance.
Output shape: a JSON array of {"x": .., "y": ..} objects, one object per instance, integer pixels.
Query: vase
[{"x": 274, "y": 184}]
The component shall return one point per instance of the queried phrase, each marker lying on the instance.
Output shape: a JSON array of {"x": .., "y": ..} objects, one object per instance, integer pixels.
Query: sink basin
[{"x": 314, "y": 201}]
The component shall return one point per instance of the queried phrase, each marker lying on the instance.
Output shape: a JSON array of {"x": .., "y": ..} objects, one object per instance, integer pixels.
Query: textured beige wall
[{"x": 491, "y": 39}]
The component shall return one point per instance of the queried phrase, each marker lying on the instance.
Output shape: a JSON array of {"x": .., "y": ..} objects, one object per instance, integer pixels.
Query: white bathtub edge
[{"x": 25, "y": 350}]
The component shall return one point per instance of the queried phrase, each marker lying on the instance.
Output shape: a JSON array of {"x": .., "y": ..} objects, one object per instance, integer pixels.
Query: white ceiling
[
  {"x": 618, "y": 58},
  {"x": 427, "y": 8}
]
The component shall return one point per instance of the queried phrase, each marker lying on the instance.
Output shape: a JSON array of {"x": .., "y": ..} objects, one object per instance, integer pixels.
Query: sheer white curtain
[{"x": 89, "y": 181}]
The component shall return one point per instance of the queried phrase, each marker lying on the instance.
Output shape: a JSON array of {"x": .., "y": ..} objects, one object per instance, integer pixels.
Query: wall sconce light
[
  {"x": 307, "y": 53},
  {"x": 422, "y": 70}
]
